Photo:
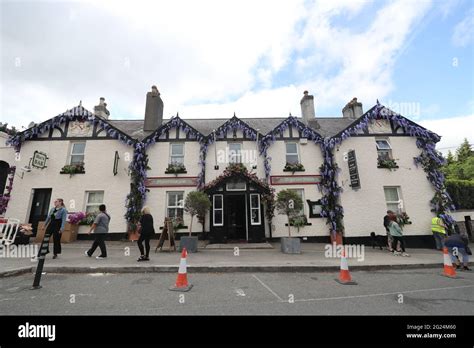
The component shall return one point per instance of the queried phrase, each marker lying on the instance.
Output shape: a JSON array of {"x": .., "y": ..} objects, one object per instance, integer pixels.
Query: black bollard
[{"x": 41, "y": 258}]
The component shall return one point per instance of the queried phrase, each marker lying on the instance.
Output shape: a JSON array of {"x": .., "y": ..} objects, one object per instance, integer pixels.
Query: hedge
[{"x": 461, "y": 192}]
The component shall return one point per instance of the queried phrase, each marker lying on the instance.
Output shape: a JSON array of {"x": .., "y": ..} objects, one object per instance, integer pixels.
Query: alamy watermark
[
  {"x": 408, "y": 109},
  {"x": 228, "y": 156},
  {"x": 352, "y": 251},
  {"x": 19, "y": 251}
]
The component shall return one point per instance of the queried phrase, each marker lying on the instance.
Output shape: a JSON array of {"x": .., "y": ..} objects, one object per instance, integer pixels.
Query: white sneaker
[
  {"x": 405, "y": 254},
  {"x": 100, "y": 258},
  {"x": 85, "y": 253},
  {"x": 396, "y": 253}
]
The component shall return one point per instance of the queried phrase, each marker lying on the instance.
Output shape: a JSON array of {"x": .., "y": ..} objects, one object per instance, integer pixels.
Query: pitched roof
[{"x": 329, "y": 126}]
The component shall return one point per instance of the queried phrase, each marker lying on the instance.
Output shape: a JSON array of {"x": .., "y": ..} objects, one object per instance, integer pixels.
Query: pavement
[
  {"x": 378, "y": 292},
  {"x": 122, "y": 258}
]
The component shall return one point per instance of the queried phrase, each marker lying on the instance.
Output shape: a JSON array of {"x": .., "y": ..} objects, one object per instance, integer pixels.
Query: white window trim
[
  {"x": 388, "y": 143},
  {"x": 297, "y": 153},
  {"x": 399, "y": 202},
  {"x": 238, "y": 155},
  {"x": 173, "y": 206},
  {"x": 87, "y": 204},
  {"x": 214, "y": 209},
  {"x": 83, "y": 154},
  {"x": 255, "y": 208},
  {"x": 302, "y": 197},
  {"x": 171, "y": 152}
]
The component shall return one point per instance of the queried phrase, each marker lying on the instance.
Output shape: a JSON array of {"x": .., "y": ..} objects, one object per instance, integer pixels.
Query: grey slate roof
[{"x": 329, "y": 126}]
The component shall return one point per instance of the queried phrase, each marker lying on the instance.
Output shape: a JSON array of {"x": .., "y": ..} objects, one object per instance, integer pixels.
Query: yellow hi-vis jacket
[{"x": 436, "y": 225}]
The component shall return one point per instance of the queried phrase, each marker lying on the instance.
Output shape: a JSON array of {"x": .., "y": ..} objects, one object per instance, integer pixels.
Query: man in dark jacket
[{"x": 458, "y": 244}]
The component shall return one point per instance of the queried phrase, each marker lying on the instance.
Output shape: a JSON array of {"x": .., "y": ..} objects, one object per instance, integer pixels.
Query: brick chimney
[
  {"x": 153, "y": 110},
  {"x": 101, "y": 109},
  {"x": 307, "y": 108},
  {"x": 352, "y": 110}
]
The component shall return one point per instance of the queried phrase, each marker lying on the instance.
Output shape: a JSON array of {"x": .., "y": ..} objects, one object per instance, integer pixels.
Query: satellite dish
[{"x": 31, "y": 125}]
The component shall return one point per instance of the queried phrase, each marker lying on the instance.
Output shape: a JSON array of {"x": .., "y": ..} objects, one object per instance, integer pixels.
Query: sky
[{"x": 211, "y": 58}]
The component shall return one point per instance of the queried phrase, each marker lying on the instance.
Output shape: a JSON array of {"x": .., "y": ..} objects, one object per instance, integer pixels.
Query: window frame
[
  {"x": 214, "y": 209},
  {"x": 382, "y": 151},
  {"x": 399, "y": 196},
  {"x": 71, "y": 153},
  {"x": 255, "y": 208},
  {"x": 176, "y": 156},
  {"x": 87, "y": 204},
  {"x": 175, "y": 207},
  {"x": 238, "y": 155},
  {"x": 297, "y": 153},
  {"x": 302, "y": 198}
]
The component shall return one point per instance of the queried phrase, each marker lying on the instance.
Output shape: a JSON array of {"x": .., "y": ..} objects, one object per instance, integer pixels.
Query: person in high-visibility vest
[{"x": 439, "y": 231}]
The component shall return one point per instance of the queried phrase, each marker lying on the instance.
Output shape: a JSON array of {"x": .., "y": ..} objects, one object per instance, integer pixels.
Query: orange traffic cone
[
  {"x": 344, "y": 275},
  {"x": 449, "y": 270},
  {"x": 182, "y": 279}
]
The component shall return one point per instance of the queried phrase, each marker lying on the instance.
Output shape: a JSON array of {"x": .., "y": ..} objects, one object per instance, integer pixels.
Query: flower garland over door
[{"x": 5, "y": 196}]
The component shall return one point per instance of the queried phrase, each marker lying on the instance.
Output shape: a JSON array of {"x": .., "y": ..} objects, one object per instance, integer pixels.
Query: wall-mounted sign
[
  {"x": 189, "y": 181},
  {"x": 116, "y": 161},
  {"x": 353, "y": 171},
  {"x": 39, "y": 160},
  {"x": 295, "y": 179}
]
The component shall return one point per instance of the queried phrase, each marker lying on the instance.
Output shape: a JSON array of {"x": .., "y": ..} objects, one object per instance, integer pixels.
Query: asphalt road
[{"x": 420, "y": 291}]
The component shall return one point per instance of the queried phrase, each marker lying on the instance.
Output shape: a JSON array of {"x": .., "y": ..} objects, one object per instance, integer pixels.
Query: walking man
[{"x": 100, "y": 228}]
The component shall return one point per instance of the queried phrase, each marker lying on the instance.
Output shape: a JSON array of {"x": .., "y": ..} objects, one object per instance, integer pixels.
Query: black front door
[
  {"x": 39, "y": 207},
  {"x": 235, "y": 217}
]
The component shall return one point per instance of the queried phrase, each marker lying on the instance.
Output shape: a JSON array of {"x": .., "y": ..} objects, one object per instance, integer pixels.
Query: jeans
[
  {"x": 397, "y": 239},
  {"x": 98, "y": 242},
  {"x": 439, "y": 239},
  {"x": 145, "y": 238},
  {"x": 461, "y": 251}
]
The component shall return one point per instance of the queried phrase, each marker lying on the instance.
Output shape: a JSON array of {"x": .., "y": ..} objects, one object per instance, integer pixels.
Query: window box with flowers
[
  {"x": 294, "y": 167},
  {"x": 176, "y": 168},
  {"x": 72, "y": 169},
  {"x": 387, "y": 163}
]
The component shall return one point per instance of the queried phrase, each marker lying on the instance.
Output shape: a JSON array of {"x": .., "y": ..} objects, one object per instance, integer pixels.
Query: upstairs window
[
  {"x": 176, "y": 154},
  {"x": 292, "y": 156},
  {"x": 77, "y": 153},
  {"x": 235, "y": 153},
  {"x": 384, "y": 150}
]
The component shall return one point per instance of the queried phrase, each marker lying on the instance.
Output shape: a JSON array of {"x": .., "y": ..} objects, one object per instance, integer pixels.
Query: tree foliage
[{"x": 288, "y": 203}]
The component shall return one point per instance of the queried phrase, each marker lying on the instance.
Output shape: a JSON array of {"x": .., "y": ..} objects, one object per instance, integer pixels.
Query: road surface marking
[
  {"x": 383, "y": 294},
  {"x": 268, "y": 288},
  {"x": 240, "y": 292}
]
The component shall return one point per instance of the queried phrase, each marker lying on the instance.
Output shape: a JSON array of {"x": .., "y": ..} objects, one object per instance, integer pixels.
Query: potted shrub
[
  {"x": 197, "y": 203},
  {"x": 289, "y": 203}
]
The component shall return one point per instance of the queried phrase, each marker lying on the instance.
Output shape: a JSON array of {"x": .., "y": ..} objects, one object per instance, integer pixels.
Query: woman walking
[
  {"x": 55, "y": 223},
  {"x": 396, "y": 233},
  {"x": 146, "y": 232},
  {"x": 100, "y": 228}
]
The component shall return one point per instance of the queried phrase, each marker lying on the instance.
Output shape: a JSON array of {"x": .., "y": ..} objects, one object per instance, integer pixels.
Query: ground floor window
[
  {"x": 218, "y": 210},
  {"x": 175, "y": 203},
  {"x": 255, "y": 217},
  {"x": 93, "y": 200},
  {"x": 393, "y": 198}
]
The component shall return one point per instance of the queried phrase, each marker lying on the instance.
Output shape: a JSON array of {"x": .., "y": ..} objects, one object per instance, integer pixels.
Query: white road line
[
  {"x": 268, "y": 288},
  {"x": 383, "y": 294}
]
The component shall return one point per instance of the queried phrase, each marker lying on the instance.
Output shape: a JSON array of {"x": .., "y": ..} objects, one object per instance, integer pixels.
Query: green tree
[
  {"x": 464, "y": 151},
  {"x": 288, "y": 203},
  {"x": 197, "y": 203},
  {"x": 450, "y": 159}
]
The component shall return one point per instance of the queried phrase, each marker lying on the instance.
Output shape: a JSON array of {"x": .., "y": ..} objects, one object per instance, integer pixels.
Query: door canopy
[{"x": 239, "y": 171}]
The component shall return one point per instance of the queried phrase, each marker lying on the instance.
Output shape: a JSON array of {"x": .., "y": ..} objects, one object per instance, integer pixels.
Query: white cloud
[
  {"x": 452, "y": 131},
  {"x": 208, "y": 58},
  {"x": 463, "y": 34}
]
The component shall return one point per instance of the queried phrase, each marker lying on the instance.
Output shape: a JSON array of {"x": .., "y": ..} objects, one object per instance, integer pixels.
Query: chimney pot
[
  {"x": 101, "y": 109},
  {"x": 353, "y": 109}
]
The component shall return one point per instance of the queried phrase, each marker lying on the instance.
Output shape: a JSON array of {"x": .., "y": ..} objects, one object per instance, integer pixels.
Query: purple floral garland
[
  {"x": 267, "y": 140},
  {"x": 5, "y": 197},
  {"x": 429, "y": 159}
]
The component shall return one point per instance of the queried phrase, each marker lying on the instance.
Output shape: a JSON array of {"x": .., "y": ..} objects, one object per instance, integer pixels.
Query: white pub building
[{"x": 348, "y": 170}]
